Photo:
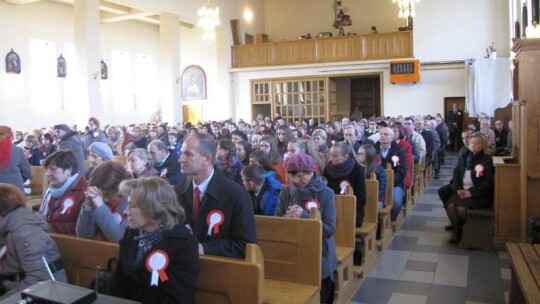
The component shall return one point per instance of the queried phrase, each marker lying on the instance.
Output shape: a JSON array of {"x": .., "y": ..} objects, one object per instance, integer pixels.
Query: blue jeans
[{"x": 398, "y": 202}]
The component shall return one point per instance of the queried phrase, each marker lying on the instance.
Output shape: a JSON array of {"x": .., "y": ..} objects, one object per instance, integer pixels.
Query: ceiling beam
[
  {"x": 107, "y": 17},
  {"x": 155, "y": 19},
  {"x": 113, "y": 7},
  {"x": 18, "y": 2}
]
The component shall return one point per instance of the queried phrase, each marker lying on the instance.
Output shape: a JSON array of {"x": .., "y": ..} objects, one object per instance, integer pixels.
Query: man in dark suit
[
  {"x": 391, "y": 153},
  {"x": 218, "y": 210},
  {"x": 166, "y": 162},
  {"x": 454, "y": 120}
]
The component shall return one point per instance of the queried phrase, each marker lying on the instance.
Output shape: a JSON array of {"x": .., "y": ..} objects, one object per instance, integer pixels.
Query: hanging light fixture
[
  {"x": 208, "y": 20},
  {"x": 406, "y": 8}
]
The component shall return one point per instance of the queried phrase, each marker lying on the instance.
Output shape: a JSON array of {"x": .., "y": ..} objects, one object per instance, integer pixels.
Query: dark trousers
[
  {"x": 455, "y": 135},
  {"x": 436, "y": 161},
  {"x": 327, "y": 290},
  {"x": 445, "y": 193}
]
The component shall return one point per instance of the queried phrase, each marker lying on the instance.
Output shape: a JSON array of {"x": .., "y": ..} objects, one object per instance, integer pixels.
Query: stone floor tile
[
  {"x": 417, "y": 276},
  {"x": 401, "y": 298}
]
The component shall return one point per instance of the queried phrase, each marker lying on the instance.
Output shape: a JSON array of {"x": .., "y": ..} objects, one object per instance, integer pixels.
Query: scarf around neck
[
  {"x": 57, "y": 193},
  {"x": 341, "y": 170},
  {"x": 147, "y": 240}
]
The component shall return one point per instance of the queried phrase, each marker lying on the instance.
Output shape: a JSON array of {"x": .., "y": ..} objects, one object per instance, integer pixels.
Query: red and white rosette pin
[
  {"x": 313, "y": 203},
  {"x": 67, "y": 204},
  {"x": 118, "y": 218},
  {"x": 157, "y": 262},
  {"x": 214, "y": 219},
  {"x": 96, "y": 134},
  {"x": 163, "y": 173},
  {"x": 479, "y": 170},
  {"x": 395, "y": 160},
  {"x": 343, "y": 186}
]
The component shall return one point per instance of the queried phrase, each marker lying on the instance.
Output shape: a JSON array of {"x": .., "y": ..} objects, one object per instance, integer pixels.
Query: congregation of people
[{"x": 187, "y": 190}]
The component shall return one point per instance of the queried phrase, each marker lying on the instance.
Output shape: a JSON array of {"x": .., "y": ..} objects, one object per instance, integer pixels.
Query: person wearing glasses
[
  {"x": 367, "y": 158},
  {"x": 306, "y": 190}
]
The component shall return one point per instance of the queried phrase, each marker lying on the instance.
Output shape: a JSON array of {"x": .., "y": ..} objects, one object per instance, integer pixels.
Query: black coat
[
  {"x": 238, "y": 227},
  {"x": 399, "y": 167},
  {"x": 170, "y": 170},
  {"x": 357, "y": 180},
  {"x": 133, "y": 282},
  {"x": 430, "y": 144},
  {"x": 452, "y": 118},
  {"x": 483, "y": 180}
]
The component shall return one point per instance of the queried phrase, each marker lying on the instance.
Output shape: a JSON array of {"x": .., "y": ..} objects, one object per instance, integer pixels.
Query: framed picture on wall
[
  {"x": 13, "y": 63},
  {"x": 193, "y": 83},
  {"x": 61, "y": 67}
]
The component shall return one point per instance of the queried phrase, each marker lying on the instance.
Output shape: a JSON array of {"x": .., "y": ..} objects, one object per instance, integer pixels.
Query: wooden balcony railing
[{"x": 306, "y": 51}]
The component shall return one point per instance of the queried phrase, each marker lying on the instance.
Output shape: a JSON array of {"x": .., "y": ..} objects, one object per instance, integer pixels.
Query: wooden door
[
  {"x": 366, "y": 94},
  {"x": 460, "y": 101},
  {"x": 192, "y": 114}
]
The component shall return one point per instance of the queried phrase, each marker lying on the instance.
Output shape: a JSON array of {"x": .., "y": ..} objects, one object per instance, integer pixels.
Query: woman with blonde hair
[
  {"x": 159, "y": 257},
  {"x": 32, "y": 151},
  {"x": 320, "y": 138},
  {"x": 311, "y": 150},
  {"x": 472, "y": 183},
  {"x": 140, "y": 163}
]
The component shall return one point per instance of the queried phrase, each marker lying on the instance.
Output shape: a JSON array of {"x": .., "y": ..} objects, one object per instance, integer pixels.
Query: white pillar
[
  {"x": 169, "y": 61},
  {"x": 88, "y": 46}
]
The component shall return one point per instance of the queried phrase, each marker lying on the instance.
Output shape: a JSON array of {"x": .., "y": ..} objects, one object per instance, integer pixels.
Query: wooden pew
[
  {"x": 38, "y": 183},
  {"x": 525, "y": 260},
  {"x": 368, "y": 231},
  {"x": 409, "y": 201},
  {"x": 344, "y": 237},
  {"x": 221, "y": 280},
  {"x": 386, "y": 212},
  {"x": 81, "y": 257},
  {"x": 292, "y": 250},
  {"x": 401, "y": 215},
  {"x": 230, "y": 281},
  {"x": 420, "y": 167}
]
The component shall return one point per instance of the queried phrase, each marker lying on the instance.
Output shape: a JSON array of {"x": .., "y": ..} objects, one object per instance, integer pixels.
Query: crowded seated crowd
[{"x": 171, "y": 193}]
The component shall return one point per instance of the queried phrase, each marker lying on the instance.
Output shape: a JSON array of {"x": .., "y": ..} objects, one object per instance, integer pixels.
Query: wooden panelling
[
  {"x": 528, "y": 61},
  {"x": 309, "y": 51},
  {"x": 340, "y": 49},
  {"x": 248, "y": 55},
  {"x": 388, "y": 45},
  {"x": 294, "y": 52},
  {"x": 507, "y": 201}
]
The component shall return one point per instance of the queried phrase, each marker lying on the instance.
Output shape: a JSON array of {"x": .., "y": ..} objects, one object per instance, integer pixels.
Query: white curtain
[{"x": 489, "y": 85}]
